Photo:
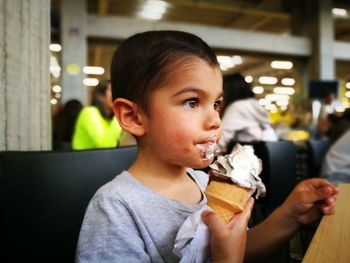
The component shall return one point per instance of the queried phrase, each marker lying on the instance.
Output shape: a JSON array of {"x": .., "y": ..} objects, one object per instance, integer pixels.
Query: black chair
[
  {"x": 44, "y": 196},
  {"x": 278, "y": 174},
  {"x": 316, "y": 152},
  {"x": 279, "y": 171}
]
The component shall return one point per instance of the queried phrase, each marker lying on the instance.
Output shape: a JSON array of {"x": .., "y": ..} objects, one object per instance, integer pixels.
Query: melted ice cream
[{"x": 242, "y": 167}]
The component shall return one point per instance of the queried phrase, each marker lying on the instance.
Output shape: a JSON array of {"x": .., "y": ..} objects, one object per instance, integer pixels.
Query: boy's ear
[{"x": 129, "y": 116}]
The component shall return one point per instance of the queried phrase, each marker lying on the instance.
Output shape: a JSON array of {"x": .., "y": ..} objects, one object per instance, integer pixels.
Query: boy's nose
[{"x": 213, "y": 120}]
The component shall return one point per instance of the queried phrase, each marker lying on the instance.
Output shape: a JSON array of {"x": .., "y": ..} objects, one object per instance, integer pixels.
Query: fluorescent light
[
  {"x": 225, "y": 62},
  {"x": 264, "y": 102},
  {"x": 281, "y": 64},
  {"x": 153, "y": 9},
  {"x": 339, "y": 12},
  {"x": 282, "y": 103},
  {"x": 56, "y": 88},
  {"x": 55, "y": 47},
  {"x": 276, "y": 97},
  {"x": 93, "y": 70},
  {"x": 268, "y": 80},
  {"x": 237, "y": 60},
  {"x": 90, "y": 82},
  {"x": 347, "y": 85},
  {"x": 284, "y": 90},
  {"x": 288, "y": 81},
  {"x": 258, "y": 89},
  {"x": 248, "y": 79},
  {"x": 271, "y": 107}
]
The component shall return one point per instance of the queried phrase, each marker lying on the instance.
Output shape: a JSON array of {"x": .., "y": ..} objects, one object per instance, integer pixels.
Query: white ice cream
[{"x": 242, "y": 166}]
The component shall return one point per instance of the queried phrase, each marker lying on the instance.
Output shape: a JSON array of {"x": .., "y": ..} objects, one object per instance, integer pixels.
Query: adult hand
[
  {"x": 228, "y": 241},
  {"x": 310, "y": 199}
]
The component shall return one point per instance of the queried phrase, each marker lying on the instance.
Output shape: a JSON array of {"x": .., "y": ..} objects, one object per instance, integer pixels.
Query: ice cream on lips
[{"x": 208, "y": 149}]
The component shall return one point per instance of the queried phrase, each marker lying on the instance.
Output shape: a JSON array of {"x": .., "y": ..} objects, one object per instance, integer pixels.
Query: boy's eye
[
  {"x": 191, "y": 103},
  {"x": 217, "y": 105}
]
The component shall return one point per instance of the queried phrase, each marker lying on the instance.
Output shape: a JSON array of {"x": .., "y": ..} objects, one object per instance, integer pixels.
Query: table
[{"x": 331, "y": 242}]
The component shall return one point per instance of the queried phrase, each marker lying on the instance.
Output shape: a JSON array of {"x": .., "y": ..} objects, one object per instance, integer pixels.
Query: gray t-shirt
[{"x": 128, "y": 222}]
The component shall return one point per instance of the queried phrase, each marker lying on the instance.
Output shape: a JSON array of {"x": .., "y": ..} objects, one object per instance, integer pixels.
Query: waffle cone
[{"x": 227, "y": 199}]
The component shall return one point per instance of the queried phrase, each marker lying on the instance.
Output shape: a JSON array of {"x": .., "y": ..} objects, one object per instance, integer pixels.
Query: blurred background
[{"x": 280, "y": 46}]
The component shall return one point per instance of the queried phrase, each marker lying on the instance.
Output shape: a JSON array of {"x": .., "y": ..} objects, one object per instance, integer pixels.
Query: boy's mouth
[{"x": 207, "y": 150}]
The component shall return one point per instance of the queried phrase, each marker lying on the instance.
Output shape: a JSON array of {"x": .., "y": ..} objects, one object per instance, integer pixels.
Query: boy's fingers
[
  {"x": 245, "y": 214},
  {"x": 213, "y": 221}
]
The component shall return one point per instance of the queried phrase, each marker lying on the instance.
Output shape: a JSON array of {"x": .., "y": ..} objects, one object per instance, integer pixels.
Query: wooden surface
[{"x": 331, "y": 242}]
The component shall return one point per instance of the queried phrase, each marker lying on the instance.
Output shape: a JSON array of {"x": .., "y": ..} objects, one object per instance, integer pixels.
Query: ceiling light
[
  {"x": 55, "y": 47},
  {"x": 288, "y": 81},
  {"x": 264, "y": 102},
  {"x": 347, "y": 85},
  {"x": 276, "y": 97},
  {"x": 57, "y": 89},
  {"x": 225, "y": 62},
  {"x": 248, "y": 79},
  {"x": 339, "y": 12},
  {"x": 90, "y": 82},
  {"x": 268, "y": 80},
  {"x": 237, "y": 60},
  {"x": 93, "y": 70},
  {"x": 258, "y": 89},
  {"x": 284, "y": 90},
  {"x": 53, "y": 101},
  {"x": 281, "y": 64},
  {"x": 153, "y": 9},
  {"x": 347, "y": 94}
]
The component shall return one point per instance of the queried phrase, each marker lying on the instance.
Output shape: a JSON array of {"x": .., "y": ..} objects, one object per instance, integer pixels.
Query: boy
[{"x": 167, "y": 92}]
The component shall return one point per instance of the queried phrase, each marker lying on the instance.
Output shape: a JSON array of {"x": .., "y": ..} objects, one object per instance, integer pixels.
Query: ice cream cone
[{"x": 227, "y": 199}]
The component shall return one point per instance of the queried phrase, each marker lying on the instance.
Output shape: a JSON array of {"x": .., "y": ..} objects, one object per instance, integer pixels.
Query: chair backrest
[
  {"x": 316, "y": 152},
  {"x": 44, "y": 196},
  {"x": 279, "y": 170}
]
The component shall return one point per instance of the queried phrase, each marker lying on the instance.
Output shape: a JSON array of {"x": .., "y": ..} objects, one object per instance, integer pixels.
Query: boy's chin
[{"x": 203, "y": 164}]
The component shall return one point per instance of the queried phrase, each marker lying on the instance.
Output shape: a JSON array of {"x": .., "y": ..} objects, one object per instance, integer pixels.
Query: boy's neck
[{"x": 171, "y": 181}]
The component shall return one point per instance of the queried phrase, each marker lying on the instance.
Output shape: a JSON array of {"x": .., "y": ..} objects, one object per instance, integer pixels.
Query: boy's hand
[
  {"x": 309, "y": 200},
  {"x": 228, "y": 241}
]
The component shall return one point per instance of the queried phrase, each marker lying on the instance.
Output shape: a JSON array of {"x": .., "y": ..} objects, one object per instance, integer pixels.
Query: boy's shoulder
[{"x": 118, "y": 187}]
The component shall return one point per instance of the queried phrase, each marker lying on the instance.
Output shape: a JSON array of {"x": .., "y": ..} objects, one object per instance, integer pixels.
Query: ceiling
[{"x": 273, "y": 16}]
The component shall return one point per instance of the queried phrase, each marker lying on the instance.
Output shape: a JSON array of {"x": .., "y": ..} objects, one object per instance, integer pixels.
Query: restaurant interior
[{"x": 294, "y": 54}]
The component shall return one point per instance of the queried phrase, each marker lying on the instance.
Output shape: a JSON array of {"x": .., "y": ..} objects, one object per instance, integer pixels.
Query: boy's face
[{"x": 184, "y": 115}]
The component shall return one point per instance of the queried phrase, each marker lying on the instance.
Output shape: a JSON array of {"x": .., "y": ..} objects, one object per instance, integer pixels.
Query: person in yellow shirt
[{"x": 96, "y": 126}]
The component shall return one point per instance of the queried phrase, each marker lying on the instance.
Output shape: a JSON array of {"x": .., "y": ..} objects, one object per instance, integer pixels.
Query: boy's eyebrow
[{"x": 193, "y": 90}]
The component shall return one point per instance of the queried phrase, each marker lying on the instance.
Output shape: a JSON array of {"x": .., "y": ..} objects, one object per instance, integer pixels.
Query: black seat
[
  {"x": 279, "y": 171},
  {"x": 278, "y": 174},
  {"x": 316, "y": 152},
  {"x": 44, "y": 196}
]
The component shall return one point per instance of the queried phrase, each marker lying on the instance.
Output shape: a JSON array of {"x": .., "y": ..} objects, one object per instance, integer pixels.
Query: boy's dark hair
[
  {"x": 143, "y": 62},
  {"x": 235, "y": 88}
]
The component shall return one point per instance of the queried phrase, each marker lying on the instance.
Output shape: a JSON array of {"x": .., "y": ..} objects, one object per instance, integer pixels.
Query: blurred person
[
  {"x": 63, "y": 124},
  {"x": 96, "y": 126},
  {"x": 244, "y": 119},
  {"x": 336, "y": 166},
  {"x": 338, "y": 125}
]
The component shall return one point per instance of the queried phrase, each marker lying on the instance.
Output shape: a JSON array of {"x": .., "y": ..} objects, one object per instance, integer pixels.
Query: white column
[
  {"x": 74, "y": 51},
  {"x": 326, "y": 65},
  {"x": 25, "y": 112}
]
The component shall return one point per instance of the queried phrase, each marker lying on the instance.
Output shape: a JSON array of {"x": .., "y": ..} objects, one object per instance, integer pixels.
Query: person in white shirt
[
  {"x": 336, "y": 167},
  {"x": 244, "y": 119}
]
